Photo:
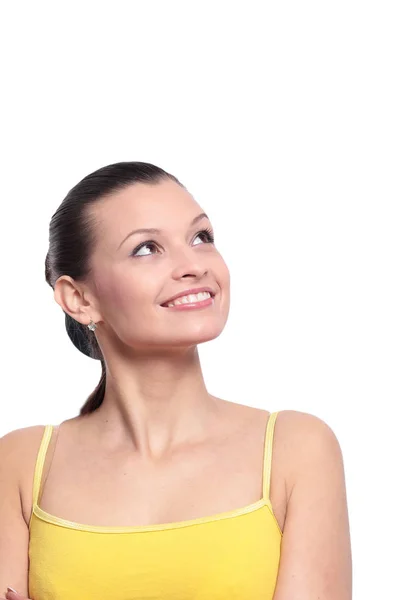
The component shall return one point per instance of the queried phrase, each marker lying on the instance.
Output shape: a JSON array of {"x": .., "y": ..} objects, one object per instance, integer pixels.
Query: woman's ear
[{"x": 75, "y": 301}]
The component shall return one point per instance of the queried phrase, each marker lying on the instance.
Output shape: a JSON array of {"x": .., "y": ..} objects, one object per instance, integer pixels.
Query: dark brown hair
[{"x": 71, "y": 240}]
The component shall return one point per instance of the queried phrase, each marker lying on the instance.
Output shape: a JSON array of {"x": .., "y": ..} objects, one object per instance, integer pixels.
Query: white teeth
[{"x": 191, "y": 298}]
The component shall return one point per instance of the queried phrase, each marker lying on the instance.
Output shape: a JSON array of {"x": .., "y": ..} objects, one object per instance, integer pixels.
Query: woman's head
[{"x": 101, "y": 270}]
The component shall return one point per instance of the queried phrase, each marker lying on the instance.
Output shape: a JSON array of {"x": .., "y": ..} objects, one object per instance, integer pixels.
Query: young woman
[{"x": 158, "y": 489}]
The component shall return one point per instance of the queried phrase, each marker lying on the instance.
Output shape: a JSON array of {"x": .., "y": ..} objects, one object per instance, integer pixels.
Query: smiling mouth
[{"x": 190, "y": 299}]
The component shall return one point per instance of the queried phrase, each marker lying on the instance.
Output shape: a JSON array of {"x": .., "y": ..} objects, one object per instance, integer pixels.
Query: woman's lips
[{"x": 192, "y": 305}]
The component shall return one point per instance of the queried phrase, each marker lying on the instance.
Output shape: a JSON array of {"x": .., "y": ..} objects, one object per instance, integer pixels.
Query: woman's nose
[{"x": 189, "y": 265}]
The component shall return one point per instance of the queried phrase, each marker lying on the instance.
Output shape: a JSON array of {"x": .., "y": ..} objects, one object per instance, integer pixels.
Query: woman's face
[{"x": 133, "y": 274}]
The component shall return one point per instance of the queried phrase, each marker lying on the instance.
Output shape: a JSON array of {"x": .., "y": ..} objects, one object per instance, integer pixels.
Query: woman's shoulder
[
  {"x": 293, "y": 423},
  {"x": 18, "y": 453},
  {"x": 18, "y": 442},
  {"x": 302, "y": 427},
  {"x": 19, "y": 447},
  {"x": 299, "y": 436},
  {"x": 297, "y": 422}
]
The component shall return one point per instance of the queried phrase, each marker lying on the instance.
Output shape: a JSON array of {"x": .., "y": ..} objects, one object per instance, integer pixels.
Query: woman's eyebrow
[{"x": 153, "y": 230}]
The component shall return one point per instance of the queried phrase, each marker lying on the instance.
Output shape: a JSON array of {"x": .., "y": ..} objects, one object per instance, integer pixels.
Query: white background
[{"x": 282, "y": 119}]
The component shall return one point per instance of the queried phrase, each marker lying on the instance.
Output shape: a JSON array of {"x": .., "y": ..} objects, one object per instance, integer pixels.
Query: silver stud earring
[{"x": 92, "y": 326}]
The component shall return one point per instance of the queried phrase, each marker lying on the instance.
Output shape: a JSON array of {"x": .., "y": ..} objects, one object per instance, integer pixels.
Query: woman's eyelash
[{"x": 208, "y": 232}]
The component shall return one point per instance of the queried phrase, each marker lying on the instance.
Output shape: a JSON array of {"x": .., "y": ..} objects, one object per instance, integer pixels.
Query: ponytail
[
  {"x": 97, "y": 396},
  {"x": 85, "y": 340}
]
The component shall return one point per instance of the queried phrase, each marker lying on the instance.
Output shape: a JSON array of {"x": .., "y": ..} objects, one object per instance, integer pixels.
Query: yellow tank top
[{"x": 232, "y": 555}]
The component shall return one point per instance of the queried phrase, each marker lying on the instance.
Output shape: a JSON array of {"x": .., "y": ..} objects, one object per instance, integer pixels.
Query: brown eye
[
  {"x": 143, "y": 245},
  {"x": 208, "y": 234}
]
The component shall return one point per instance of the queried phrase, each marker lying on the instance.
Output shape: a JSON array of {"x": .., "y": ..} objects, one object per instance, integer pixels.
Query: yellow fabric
[{"x": 229, "y": 555}]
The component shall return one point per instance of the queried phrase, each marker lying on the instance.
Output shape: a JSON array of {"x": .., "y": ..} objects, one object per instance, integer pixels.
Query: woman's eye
[
  {"x": 136, "y": 251},
  {"x": 206, "y": 233}
]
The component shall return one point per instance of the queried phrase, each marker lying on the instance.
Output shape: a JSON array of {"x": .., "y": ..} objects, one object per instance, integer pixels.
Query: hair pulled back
[{"x": 71, "y": 240}]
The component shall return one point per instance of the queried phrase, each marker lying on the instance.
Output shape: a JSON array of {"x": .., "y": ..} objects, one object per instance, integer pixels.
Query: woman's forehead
[{"x": 165, "y": 206}]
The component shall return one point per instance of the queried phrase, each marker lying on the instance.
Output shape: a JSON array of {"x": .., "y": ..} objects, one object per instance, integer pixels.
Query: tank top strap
[
  {"x": 37, "y": 479},
  {"x": 268, "y": 445}
]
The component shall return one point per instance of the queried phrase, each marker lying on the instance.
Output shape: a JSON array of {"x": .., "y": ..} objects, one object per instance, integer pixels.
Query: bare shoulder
[
  {"x": 300, "y": 439},
  {"x": 296, "y": 434},
  {"x": 316, "y": 549},
  {"x": 298, "y": 422},
  {"x": 301, "y": 435},
  {"x": 296, "y": 430},
  {"x": 18, "y": 453},
  {"x": 20, "y": 442}
]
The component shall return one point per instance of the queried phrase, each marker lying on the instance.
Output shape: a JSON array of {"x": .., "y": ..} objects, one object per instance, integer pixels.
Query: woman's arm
[
  {"x": 14, "y": 533},
  {"x": 316, "y": 562}
]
